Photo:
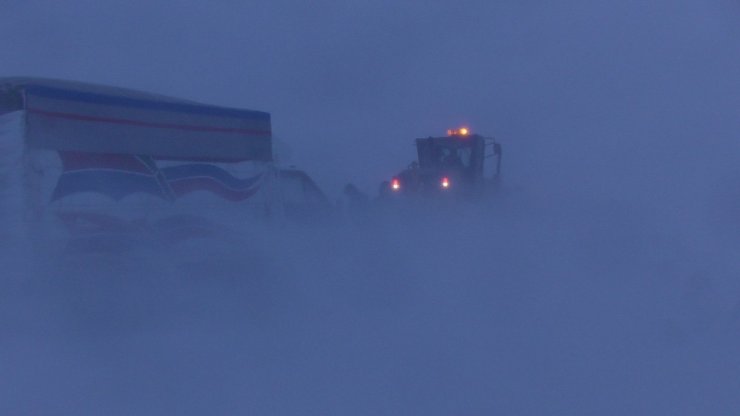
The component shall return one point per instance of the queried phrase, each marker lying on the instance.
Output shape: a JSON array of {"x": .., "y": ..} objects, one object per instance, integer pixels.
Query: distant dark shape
[
  {"x": 302, "y": 199},
  {"x": 451, "y": 166}
]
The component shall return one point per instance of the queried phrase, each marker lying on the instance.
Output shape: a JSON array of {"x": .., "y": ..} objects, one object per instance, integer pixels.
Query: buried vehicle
[
  {"x": 92, "y": 163},
  {"x": 452, "y": 165}
]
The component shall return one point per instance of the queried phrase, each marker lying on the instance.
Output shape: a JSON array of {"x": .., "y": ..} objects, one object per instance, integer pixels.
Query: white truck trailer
[{"x": 80, "y": 160}]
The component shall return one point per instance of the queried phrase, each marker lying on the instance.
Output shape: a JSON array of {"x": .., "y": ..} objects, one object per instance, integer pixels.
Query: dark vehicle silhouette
[{"x": 450, "y": 165}]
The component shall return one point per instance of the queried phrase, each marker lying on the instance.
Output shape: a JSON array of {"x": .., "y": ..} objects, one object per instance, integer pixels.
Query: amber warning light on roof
[{"x": 462, "y": 131}]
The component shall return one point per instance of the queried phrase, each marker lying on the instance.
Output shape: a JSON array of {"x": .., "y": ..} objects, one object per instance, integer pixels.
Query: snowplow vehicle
[{"x": 453, "y": 165}]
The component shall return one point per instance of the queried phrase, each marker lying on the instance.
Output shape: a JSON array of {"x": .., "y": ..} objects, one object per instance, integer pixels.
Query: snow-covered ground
[{"x": 533, "y": 305}]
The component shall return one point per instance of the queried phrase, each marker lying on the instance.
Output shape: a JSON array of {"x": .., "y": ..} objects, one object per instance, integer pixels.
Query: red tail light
[
  {"x": 395, "y": 184},
  {"x": 445, "y": 182}
]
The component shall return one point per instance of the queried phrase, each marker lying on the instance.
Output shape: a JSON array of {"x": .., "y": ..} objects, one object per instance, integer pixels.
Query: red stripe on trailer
[{"x": 80, "y": 117}]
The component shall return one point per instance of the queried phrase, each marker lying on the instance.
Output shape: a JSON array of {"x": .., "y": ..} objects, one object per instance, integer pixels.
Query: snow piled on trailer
[{"x": 533, "y": 305}]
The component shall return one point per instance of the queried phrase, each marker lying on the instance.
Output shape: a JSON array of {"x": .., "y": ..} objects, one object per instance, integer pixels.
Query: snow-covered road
[{"x": 554, "y": 307}]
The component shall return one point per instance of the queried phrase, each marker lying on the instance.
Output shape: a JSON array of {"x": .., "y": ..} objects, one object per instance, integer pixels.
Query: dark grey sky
[{"x": 583, "y": 84}]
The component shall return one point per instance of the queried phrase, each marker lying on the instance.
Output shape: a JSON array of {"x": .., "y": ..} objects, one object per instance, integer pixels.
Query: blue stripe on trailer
[{"x": 97, "y": 98}]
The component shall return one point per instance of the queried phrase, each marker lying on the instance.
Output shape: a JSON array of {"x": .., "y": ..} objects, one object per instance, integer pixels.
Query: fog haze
[
  {"x": 360, "y": 81},
  {"x": 602, "y": 281}
]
